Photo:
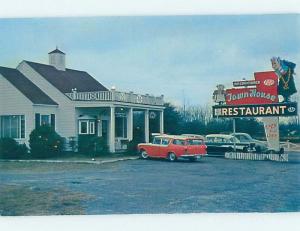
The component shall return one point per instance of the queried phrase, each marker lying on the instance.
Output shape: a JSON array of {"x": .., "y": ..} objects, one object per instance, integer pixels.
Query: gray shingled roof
[
  {"x": 66, "y": 80},
  {"x": 26, "y": 87}
]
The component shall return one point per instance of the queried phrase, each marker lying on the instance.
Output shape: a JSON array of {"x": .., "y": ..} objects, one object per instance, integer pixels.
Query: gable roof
[
  {"x": 69, "y": 79},
  {"x": 26, "y": 87}
]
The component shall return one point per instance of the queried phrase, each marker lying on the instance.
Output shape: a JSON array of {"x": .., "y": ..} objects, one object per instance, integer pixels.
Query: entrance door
[{"x": 105, "y": 129}]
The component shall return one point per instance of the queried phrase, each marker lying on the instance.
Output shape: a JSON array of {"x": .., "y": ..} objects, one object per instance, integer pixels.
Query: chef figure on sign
[{"x": 219, "y": 94}]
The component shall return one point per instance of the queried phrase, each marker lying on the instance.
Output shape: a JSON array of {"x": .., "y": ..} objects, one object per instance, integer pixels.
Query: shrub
[
  {"x": 132, "y": 147},
  {"x": 45, "y": 142},
  {"x": 10, "y": 149},
  {"x": 92, "y": 145}
]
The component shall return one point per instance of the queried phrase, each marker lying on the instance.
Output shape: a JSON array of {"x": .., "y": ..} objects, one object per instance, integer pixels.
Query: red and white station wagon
[{"x": 173, "y": 147}]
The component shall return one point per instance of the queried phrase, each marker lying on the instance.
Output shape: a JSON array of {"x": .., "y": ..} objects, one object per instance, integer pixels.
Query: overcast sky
[{"x": 178, "y": 56}]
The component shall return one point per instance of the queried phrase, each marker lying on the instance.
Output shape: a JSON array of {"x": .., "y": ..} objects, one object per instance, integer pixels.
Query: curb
[{"x": 75, "y": 161}]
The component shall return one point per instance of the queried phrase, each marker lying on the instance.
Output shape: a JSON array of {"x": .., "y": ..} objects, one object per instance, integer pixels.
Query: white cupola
[{"x": 57, "y": 59}]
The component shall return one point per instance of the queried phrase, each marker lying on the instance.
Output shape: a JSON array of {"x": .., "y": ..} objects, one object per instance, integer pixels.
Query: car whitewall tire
[
  {"x": 172, "y": 157},
  {"x": 144, "y": 154}
]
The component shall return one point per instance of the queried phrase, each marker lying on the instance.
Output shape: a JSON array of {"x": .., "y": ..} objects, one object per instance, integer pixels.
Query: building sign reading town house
[
  {"x": 264, "y": 92},
  {"x": 255, "y": 110}
]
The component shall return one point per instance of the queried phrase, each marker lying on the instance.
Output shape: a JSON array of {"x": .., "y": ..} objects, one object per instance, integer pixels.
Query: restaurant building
[{"x": 72, "y": 102}]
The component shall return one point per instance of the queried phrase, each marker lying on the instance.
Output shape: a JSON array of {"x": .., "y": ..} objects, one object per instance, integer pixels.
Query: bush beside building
[
  {"x": 10, "y": 149},
  {"x": 44, "y": 142}
]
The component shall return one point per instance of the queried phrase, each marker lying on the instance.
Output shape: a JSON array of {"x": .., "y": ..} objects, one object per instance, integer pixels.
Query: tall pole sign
[{"x": 259, "y": 98}]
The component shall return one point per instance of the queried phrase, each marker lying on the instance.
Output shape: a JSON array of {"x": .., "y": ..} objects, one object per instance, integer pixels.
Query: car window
[
  {"x": 178, "y": 142},
  {"x": 234, "y": 139},
  {"x": 156, "y": 140},
  {"x": 210, "y": 139},
  {"x": 165, "y": 141},
  {"x": 195, "y": 142},
  {"x": 219, "y": 140},
  {"x": 243, "y": 139}
]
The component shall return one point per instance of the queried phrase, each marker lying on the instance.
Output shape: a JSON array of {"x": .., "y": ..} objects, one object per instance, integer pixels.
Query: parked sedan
[
  {"x": 246, "y": 138},
  {"x": 173, "y": 148},
  {"x": 219, "y": 144}
]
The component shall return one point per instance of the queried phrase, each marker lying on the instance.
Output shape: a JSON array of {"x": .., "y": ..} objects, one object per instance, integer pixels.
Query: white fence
[
  {"x": 288, "y": 146},
  {"x": 256, "y": 156}
]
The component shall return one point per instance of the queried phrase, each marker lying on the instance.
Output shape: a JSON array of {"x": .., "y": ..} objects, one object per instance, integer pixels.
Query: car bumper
[{"x": 197, "y": 156}]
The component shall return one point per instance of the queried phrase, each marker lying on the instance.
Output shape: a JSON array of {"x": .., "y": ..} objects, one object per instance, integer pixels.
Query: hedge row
[{"x": 44, "y": 142}]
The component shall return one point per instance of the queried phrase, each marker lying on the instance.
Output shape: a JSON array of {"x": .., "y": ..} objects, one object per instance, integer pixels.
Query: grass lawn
[{"x": 17, "y": 200}]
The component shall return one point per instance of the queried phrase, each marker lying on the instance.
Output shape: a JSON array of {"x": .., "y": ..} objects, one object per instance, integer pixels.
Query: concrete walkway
[{"x": 74, "y": 161}]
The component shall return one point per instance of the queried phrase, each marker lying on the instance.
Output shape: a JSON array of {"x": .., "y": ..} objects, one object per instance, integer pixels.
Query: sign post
[{"x": 234, "y": 144}]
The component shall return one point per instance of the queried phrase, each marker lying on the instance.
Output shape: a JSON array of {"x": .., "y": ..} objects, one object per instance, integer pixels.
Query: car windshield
[{"x": 156, "y": 140}]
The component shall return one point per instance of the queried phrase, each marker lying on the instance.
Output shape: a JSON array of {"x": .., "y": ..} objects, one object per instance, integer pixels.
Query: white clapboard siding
[
  {"x": 13, "y": 102},
  {"x": 65, "y": 116}
]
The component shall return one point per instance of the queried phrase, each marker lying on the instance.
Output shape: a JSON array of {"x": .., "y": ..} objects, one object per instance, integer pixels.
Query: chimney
[{"x": 57, "y": 59}]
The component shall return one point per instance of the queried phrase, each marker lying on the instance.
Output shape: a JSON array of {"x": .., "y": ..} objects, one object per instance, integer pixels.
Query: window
[
  {"x": 178, "y": 142},
  {"x": 165, "y": 141},
  {"x": 195, "y": 142},
  {"x": 233, "y": 139},
  {"x": 92, "y": 127},
  {"x": 86, "y": 127},
  {"x": 12, "y": 126},
  {"x": 83, "y": 127},
  {"x": 156, "y": 140},
  {"x": 45, "y": 119},
  {"x": 121, "y": 125},
  {"x": 242, "y": 138}
]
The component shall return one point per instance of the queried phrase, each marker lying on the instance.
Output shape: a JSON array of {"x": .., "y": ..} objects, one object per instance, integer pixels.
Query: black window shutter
[
  {"x": 37, "y": 120},
  {"x": 53, "y": 121}
]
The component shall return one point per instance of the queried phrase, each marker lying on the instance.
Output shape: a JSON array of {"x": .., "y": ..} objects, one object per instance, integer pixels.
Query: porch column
[
  {"x": 161, "y": 122},
  {"x": 147, "y": 125},
  {"x": 112, "y": 129},
  {"x": 130, "y": 124}
]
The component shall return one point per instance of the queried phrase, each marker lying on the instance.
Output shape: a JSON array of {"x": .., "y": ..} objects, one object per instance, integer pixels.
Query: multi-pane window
[
  {"x": 44, "y": 119},
  {"x": 86, "y": 127},
  {"x": 12, "y": 126}
]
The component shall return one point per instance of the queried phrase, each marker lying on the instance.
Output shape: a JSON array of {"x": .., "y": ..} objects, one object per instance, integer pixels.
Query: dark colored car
[{"x": 218, "y": 144}]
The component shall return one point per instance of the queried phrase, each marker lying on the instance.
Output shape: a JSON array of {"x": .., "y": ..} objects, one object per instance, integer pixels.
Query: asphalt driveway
[{"x": 150, "y": 186}]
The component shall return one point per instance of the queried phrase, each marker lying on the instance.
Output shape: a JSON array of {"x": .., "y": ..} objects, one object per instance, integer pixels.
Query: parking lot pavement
[{"x": 154, "y": 186}]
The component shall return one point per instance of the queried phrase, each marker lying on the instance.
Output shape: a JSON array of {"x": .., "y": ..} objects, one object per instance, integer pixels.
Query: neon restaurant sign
[
  {"x": 252, "y": 98},
  {"x": 255, "y": 110}
]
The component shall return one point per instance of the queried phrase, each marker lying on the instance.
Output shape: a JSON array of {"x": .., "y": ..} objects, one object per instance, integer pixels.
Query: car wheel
[
  {"x": 245, "y": 149},
  {"x": 144, "y": 154},
  {"x": 281, "y": 151},
  {"x": 172, "y": 157},
  {"x": 258, "y": 149},
  {"x": 230, "y": 149},
  {"x": 193, "y": 159}
]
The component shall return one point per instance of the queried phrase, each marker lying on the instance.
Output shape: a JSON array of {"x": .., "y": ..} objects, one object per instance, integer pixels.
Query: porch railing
[{"x": 116, "y": 96}]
